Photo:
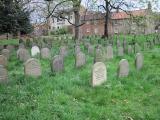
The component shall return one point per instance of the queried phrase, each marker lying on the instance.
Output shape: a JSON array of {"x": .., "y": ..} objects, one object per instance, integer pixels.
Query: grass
[
  {"x": 9, "y": 42},
  {"x": 69, "y": 95}
]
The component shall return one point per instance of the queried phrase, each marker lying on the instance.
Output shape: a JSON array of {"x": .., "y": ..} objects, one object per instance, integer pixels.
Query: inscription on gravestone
[{"x": 99, "y": 74}]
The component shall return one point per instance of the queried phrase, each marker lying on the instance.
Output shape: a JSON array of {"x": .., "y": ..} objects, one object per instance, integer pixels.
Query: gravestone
[
  {"x": 3, "y": 60},
  {"x": 57, "y": 64},
  {"x": 120, "y": 51},
  {"x": 123, "y": 68},
  {"x": 99, "y": 74},
  {"x": 10, "y": 47},
  {"x": 99, "y": 57},
  {"x": 23, "y": 54},
  {"x": 63, "y": 51},
  {"x": 139, "y": 61},
  {"x": 77, "y": 49},
  {"x": 45, "y": 53},
  {"x": 109, "y": 54},
  {"x": 137, "y": 48},
  {"x": 21, "y": 45},
  {"x": 32, "y": 68},
  {"x": 118, "y": 43},
  {"x": 80, "y": 59},
  {"x": 6, "y": 53},
  {"x": 130, "y": 49},
  {"x": 3, "y": 74},
  {"x": 90, "y": 50},
  {"x": 35, "y": 51}
]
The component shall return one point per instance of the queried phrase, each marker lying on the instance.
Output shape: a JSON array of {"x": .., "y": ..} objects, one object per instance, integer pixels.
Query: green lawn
[
  {"x": 69, "y": 95},
  {"x": 9, "y": 42}
]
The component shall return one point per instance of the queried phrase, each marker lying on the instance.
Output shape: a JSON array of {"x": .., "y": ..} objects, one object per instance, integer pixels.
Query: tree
[
  {"x": 114, "y": 5},
  {"x": 59, "y": 11},
  {"x": 14, "y": 18}
]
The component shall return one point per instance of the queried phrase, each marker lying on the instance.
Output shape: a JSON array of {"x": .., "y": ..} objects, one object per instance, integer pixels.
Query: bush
[{"x": 60, "y": 31}]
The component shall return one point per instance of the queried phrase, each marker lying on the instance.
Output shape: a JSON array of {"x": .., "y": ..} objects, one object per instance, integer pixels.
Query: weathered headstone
[
  {"x": 45, "y": 53},
  {"x": 3, "y": 74},
  {"x": 77, "y": 49},
  {"x": 3, "y": 60},
  {"x": 139, "y": 61},
  {"x": 63, "y": 51},
  {"x": 120, "y": 51},
  {"x": 90, "y": 50},
  {"x": 21, "y": 45},
  {"x": 32, "y": 67},
  {"x": 35, "y": 51},
  {"x": 80, "y": 59},
  {"x": 118, "y": 43},
  {"x": 6, "y": 53},
  {"x": 99, "y": 74},
  {"x": 130, "y": 49},
  {"x": 109, "y": 54},
  {"x": 57, "y": 64},
  {"x": 23, "y": 54},
  {"x": 123, "y": 68},
  {"x": 99, "y": 57}
]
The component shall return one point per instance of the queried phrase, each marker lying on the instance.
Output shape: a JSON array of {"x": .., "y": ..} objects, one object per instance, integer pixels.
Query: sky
[{"x": 155, "y": 5}]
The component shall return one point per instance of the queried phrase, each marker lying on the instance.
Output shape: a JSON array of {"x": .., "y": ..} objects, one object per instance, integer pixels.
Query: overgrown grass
[
  {"x": 69, "y": 95},
  {"x": 9, "y": 42}
]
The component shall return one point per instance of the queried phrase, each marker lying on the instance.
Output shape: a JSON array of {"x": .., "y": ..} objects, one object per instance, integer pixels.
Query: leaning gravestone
[
  {"x": 23, "y": 54},
  {"x": 3, "y": 74},
  {"x": 6, "y": 53},
  {"x": 63, "y": 51},
  {"x": 3, "y": 60},
  {"x": 139, "y": 61},
  {"x": 99, "y": 74},
  {"x": 120, "y": 51},
  {"x": 123, "y": 68},
  {"x": 32, "y": 67},
  {"x": 80, "y": 59},
  {"x": 35, "y": 51},
  {"x": 57, "y": 64},
  {"x": 98, "y": 56},
  {"x": 109, "y": 54},
  {"x": 45, "y": 53}
]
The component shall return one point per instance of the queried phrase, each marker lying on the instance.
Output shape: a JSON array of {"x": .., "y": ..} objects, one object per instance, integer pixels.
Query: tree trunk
[
  {"x": 106, "y": 20},
  {"x": 76, "y": 28}
]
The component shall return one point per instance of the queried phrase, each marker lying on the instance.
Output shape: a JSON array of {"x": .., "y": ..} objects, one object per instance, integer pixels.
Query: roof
[
  {"x": 124, "y": 15},
  {"x": 114, "y": 15}
]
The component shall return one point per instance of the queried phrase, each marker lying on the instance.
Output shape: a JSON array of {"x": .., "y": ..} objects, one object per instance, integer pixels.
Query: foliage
[
  {"x": 13, "y": 18},
  {"x": 60, "y": 31}
]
